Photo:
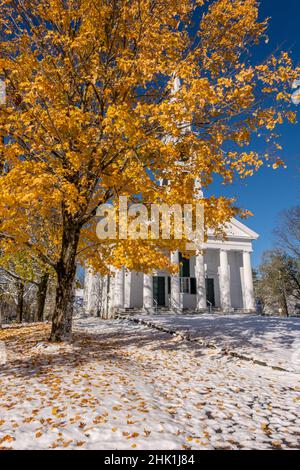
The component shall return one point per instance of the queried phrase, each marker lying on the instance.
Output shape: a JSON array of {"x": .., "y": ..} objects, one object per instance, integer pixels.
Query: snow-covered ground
[
  {"x": 274, "y": 340},
  {"x": 121, "y": 385}
]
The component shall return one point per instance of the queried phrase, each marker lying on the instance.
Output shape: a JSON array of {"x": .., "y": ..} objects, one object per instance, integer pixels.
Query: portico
[{"x": 217, "y": 279}]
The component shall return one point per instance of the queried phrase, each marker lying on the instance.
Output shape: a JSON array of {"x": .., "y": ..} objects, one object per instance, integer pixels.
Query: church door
[
  {"x": 210, "y": 291},
  {"x": 159, "y": 290}
]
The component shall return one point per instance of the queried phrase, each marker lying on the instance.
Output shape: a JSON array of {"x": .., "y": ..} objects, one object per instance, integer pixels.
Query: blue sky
[{"x": 270, "y": 191}]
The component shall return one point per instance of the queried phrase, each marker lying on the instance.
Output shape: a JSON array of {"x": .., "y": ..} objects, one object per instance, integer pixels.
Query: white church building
[{"x": 219, "y": 280}]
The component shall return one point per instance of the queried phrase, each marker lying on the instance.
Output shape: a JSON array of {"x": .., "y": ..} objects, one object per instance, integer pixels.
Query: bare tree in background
[
  {"x": 22, "y": 299},
  {"x": 278, "y": 284},
  {"x": 288, "y": 231}
]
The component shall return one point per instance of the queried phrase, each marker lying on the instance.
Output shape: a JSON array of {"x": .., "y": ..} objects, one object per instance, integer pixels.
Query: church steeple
[
  {"x": 176, "y": 84},
  {"x": 185, "y": 127}
]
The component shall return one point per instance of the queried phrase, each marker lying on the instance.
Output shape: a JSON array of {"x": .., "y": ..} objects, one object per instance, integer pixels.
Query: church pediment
[{"x": 236, "y": 229}]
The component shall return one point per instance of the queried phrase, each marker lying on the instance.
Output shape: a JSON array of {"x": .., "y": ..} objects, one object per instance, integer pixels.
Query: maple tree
[{"x": 91, "y": 114}]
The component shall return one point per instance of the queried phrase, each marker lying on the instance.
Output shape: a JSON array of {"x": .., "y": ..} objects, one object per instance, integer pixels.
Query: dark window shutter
[{"x": 193, "y": 285}]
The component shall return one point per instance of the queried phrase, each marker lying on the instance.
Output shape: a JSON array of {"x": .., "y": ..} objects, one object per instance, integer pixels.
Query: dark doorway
[
  {"x": 159, "y": 290},
  {"x": 210, "y": 291}
]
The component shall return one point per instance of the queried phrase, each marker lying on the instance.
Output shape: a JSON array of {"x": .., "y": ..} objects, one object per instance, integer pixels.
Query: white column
[
  {"x": 119, "y": 289},
  {"x": 148, "y": 293},
  {"x": 86, "y": 288},
  {"x": 224, "y": 281},
  {"x": 127, "y": 289},
  {"x": 249, "y": 303},
  {"x": 92, "y": 292},
  {"x": 176, "y": 302},
  {"x": 110, "y": 296},
  {"x": 200, "y": 283}
]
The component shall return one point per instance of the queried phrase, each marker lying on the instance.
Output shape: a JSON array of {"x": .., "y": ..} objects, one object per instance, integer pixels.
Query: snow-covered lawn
[
  {"x": 121, "y": 385},
  {"x": 271, "y": 339}
]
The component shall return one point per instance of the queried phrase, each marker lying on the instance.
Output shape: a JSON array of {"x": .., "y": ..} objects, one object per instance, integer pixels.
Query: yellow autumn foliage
[{"x": 91, "y": 114}]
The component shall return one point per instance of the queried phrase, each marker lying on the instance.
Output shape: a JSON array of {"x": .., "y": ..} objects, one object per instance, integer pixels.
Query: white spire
[{"x": 176, "y": 84}]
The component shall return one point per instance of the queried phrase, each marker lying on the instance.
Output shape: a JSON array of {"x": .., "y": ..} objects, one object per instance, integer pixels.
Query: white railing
[
  {"x": 210, "y": 305},
  {"x": 155, "y": 305}
]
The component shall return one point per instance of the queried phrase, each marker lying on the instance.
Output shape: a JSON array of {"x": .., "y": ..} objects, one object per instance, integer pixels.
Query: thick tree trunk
[
  {"x": 41, "y": 297},
  {"x": 20, "y": 301},
  {"x": 66, "y": 272}
]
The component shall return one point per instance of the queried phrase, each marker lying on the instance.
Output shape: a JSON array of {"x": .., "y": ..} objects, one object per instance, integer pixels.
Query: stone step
[{"x": 167, "y": 311}]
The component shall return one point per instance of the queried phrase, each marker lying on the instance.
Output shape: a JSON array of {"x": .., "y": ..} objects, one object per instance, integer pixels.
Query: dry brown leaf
[
  {"x": 80, "y": 443},
  {"x": 7, "y": 438}
]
